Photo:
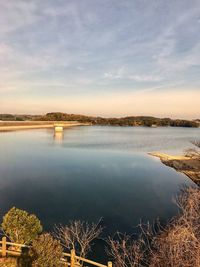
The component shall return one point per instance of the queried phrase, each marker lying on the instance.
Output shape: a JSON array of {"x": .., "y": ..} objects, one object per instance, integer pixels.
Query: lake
[{"x": 92, "y": 172}]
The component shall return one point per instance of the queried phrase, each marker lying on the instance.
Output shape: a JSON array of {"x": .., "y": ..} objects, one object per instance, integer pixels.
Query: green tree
[
  {"x": 46, "y": 252},
  {"x": 20, "y": 226}
]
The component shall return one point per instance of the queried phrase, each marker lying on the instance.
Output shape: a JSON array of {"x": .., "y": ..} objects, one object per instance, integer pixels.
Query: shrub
[
  {"x": 46, "y": 252},
  {"x": 20, "y": 226},
  {"x": 179, "y": 244},
  {"x": 175, "y": 245}
]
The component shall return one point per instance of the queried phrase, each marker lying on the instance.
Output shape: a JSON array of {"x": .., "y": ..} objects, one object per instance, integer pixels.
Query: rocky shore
[{"x": 183, "y": 164}]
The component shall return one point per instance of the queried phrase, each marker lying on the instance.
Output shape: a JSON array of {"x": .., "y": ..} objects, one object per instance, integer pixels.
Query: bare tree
[
  {"x": 195, "y": 151},
  {"x": 129, "y": 251},
  {"x": 179, "y": 244},
  {"x": 78, "y": 236},
  {"x": 176, "y": 245},
  {"x": 125, "y": 251}
]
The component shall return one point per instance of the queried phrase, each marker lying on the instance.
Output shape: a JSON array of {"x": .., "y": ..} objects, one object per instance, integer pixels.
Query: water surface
[{"x": 91, "y": 173}]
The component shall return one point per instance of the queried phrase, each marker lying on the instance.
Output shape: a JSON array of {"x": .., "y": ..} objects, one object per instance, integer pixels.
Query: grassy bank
[{"x": 184, "y": 164}]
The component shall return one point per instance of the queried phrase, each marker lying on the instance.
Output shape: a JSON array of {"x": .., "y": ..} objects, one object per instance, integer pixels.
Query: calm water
[{"x": 92, "y": 172}]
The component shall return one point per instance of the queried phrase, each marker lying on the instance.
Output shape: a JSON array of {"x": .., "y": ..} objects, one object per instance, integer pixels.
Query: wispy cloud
[
  {"x": 91, "y": 47},
  {"x": 17, "y": 14},
  {"x": 124, "y": 74}
]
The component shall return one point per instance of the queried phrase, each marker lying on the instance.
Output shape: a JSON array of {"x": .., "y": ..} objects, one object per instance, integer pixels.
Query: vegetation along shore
[
  {"x": 175, "y": 245},
  {"x": 189, "y": 164},
  {"x": 148, "y": 121}
]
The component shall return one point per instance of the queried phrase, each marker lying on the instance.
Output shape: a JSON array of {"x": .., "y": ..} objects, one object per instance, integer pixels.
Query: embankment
[
  {"x": 25, "y": 125},
  {"x": 186, "y": 165}
]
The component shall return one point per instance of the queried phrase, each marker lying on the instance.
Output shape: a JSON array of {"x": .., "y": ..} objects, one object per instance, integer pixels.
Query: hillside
[{"x": 124, "y": 121}]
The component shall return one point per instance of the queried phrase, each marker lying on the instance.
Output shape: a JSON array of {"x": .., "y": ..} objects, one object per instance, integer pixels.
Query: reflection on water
[
  {"x": 58, "y": 136},
  {"x": 94, "y": 172}
]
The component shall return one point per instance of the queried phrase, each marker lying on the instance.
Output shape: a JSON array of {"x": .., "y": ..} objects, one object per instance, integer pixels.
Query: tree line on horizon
[{"x": 148, "y": 121}]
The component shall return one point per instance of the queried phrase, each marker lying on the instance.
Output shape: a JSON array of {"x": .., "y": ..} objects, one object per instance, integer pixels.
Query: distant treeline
[
  {"x": 125, "y": 121},
  {"x": 12, "y": 117}
]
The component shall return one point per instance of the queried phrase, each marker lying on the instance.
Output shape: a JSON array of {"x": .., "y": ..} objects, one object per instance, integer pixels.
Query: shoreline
[
  {"x": 186, "y": 165},
  {"x": 26, "y": 125}
]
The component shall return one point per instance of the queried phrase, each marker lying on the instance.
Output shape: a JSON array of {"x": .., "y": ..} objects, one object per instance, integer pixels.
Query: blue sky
[{"x": 100, "y": 57}]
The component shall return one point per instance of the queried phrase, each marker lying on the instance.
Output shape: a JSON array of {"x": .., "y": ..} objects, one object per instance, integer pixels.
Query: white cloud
[
  {"x": 92, "y": 47},
  {"x": 145, "y": 78},
  {"x": 123, "y": 74}
]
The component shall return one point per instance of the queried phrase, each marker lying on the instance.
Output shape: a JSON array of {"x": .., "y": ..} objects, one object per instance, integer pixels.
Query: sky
[{"x": 100, "y": 57}]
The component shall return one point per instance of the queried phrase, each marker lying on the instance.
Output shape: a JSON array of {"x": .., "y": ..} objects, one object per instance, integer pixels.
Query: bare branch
[
  {"x": 194, "y": 153},
  {"x": 176, "y": 245},
  {"x": 78, "y": 235}
]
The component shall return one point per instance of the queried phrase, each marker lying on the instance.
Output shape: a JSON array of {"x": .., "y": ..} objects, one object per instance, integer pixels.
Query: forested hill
[{"x": 124, "y": 121}]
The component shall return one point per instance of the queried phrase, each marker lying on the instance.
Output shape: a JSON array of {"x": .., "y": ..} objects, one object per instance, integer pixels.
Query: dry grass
[
  {"x": 178, "y": 245},
  {"x": 8, "y": 262}
]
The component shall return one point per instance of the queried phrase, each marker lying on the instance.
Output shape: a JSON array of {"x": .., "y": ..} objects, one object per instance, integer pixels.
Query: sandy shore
[
  {"x": 186, "y": 165},
  {"x": 25, "y": 125}
]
